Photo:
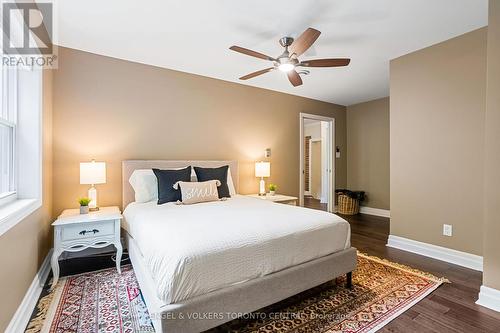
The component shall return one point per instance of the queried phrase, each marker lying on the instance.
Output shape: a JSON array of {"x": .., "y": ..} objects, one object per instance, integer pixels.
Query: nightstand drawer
[{"x": 88, "y": 230}]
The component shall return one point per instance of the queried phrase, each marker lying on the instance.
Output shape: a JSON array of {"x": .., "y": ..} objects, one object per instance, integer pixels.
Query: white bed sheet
[{"x": 191, "y": 250}]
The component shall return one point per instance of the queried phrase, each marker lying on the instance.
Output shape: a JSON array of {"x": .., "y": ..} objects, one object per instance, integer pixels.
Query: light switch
[{"x": 447, "y": 230}]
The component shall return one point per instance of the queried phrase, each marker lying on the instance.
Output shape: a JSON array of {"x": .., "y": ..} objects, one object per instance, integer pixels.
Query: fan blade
[
  {"x": 251, "y": 53},
  {"x": 301, "y": 44},
  {"x": 294, "y": 78},
  {"x": 254, "y": 74},
  {"x": 339, "y": 62}
]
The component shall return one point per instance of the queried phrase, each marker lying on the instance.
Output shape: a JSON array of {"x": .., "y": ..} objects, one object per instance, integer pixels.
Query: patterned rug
[
  {"x": 100, "y": 301},
  {"x": 104, "y": 301}
]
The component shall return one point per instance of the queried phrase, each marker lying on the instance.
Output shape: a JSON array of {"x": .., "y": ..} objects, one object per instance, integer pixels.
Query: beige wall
[
  {"x": 491, "y": 276},
  {"x": 437, "y": 133},
  {"x": 24, "y": 247},
  {"x": 368, "y": 151},
  {"x": 113, "y": 110}
]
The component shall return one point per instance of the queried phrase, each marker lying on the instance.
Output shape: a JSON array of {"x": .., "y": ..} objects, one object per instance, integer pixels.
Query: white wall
[{"x": 313, "y": 130}]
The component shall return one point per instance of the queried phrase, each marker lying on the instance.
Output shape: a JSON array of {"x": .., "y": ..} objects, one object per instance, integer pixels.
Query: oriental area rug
[{"x": 103, "y": 301}]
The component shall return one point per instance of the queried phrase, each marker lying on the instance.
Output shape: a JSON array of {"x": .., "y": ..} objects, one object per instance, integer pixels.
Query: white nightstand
[
  {"x": 280, "y": 198},
  {"x": 75, "y": 232}
]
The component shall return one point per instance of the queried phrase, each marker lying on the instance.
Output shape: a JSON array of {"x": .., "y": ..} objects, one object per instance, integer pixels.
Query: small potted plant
[
  {"x": 272, "y": 189},
  {"x": 84, "y": 205}
]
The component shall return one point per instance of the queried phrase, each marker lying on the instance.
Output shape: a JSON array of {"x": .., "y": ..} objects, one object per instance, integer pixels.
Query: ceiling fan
[{"x": 288, "y": 61}]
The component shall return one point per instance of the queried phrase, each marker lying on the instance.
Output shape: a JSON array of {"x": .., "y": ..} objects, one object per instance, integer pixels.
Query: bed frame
[{"x": 215, "y": 308}]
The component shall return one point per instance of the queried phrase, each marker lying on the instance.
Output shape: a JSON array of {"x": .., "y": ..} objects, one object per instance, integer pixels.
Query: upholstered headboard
[{"x": 129, "y": 166}]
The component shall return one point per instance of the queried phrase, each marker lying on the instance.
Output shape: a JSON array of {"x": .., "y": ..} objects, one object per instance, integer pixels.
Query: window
[
  {"x": 20, "y": 144},
  {"x": 21, "y": 153},
  {"x": 8, "y": 119}
]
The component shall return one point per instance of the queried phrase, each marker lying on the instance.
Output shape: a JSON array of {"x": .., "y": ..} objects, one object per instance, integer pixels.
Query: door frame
[{"x": 331, "y": 161}]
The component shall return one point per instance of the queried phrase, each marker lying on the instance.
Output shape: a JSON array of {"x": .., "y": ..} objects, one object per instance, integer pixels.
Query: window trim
[
  {"x": 12, "y": 163},
  {"x": 14, "y": 212},
  {"x": 29, "y": 189},
  {"x": 7, "y": 197}
]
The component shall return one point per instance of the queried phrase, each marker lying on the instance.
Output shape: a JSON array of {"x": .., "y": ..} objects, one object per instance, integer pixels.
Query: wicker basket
[{"x": 347, "y": 205}]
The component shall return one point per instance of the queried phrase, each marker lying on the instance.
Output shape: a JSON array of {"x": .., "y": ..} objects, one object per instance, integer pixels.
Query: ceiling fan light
[{"x": 286, "y": 67}]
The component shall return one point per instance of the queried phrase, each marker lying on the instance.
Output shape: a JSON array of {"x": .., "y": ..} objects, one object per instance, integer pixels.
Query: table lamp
[
  {"x": 262, "y": 169},
  {"x": 92, "y": 173}
]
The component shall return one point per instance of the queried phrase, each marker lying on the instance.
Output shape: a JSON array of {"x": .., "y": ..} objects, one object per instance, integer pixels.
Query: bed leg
[{"x": 348, "y": 282}]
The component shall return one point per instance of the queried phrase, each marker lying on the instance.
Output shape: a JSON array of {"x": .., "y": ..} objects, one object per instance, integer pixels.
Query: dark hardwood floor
[
  {"x": 310, "y": 202},
  {"x": 450, "y": 308}
]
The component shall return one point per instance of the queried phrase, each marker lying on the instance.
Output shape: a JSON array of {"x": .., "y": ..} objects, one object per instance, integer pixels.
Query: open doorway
[{"x": 316, "y": 167}]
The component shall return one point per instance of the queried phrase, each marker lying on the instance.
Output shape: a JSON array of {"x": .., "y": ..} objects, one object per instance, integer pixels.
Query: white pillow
[
  {"x": 230, "y": 184},
  {"x": 145, "y": 184}
]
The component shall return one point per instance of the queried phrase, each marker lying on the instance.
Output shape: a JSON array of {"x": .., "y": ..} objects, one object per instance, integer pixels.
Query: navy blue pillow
[
  {"x": 204, "y": 174},
  {"x": 167, "y": 179}
]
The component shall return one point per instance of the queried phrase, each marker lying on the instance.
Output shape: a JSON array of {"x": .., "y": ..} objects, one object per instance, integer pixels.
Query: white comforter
[{"x": 191, "y": 250}]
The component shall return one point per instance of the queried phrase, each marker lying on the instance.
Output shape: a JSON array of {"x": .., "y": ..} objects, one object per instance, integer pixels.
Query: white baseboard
[
  {"x": 489, "y": 298},
  {"x": 464, "y": 259},
  {"x": 375, "y": 211},
  {"x": 23, "y": 313},
  {"x": 370, "y": 211}
]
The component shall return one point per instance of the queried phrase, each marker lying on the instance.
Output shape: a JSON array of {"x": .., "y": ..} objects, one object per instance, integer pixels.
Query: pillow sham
[
  {"x": 230, "y": 184},
  {"x": 166, "y": 180},
  {"x": 196, "y": 192},
  {"x": 145, "y": 185},
  {"x": 220, "y": 174}
]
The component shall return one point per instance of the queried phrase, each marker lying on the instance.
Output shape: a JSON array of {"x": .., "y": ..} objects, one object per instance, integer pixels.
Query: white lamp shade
[
  {"x": 92, "y": 172},
  {"x": 262, "y": 169}
]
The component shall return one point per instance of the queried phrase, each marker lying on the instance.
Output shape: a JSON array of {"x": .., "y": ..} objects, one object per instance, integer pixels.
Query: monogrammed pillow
[{"x": 195, "y": 192}]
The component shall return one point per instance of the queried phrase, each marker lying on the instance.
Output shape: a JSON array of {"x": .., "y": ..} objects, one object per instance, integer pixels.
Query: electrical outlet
[{"x": 447, "y": 230}]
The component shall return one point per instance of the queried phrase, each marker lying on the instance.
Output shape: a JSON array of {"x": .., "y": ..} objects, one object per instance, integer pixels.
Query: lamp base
[
  {"x": 93, "y": 199},
  {"x": 262, "y": 187}
]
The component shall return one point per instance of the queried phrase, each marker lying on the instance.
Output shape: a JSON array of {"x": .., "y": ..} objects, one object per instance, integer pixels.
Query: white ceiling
[{"x": 194, "y": 36}]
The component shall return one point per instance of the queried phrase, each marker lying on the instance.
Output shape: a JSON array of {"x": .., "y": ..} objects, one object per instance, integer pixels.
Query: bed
[{"x": 201, "y": 265}]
